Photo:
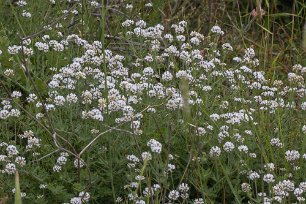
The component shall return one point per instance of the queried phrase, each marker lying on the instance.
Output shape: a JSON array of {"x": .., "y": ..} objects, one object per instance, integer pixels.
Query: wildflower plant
[{"x": 150, "y": 114}]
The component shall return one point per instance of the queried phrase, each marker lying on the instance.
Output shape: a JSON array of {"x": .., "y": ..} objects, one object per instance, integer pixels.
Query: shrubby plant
[{"x": 172, "y": 116}]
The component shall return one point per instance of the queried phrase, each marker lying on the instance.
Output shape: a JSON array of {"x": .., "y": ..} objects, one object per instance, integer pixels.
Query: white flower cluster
[
  {"x": 61, "y": 160},
  {"x": 7, "y": 111},
  {"x": 155, "y": 146},
  {"x": 10, "y": 160},
  {"x": 83, "y": 197}
]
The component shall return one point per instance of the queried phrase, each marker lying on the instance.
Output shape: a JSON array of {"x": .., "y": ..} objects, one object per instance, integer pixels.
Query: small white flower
[
  {"x": 57, "y": 168},
  {"x": 155, "y": 146},
  {"x": 167, "y": 76},
  {"x": 61, "y": 160},
  {"x": 85, "y": 196},
  {"x": 292, "y": 155},
  {"x": 129, "y": 6},
  {"x": 198, "y": 201},
  {"x": 216, "y": 29},
  {"x": 304, "y": 129},
  {"x": 173, "y": 195},
  {"x": 253, "y": 175},
  {"x": 43, "y": 186},
  {"x": 227, "y": 46},
  {"x": 10, "y": 168},
  {"x": 149, "y": 5},
  {"x": 215, "y": 152},
  {"x": 183, "y": 187},
  {"x": 11, "y": 150},
  {"x": 228, "y": 146},
  {"x": 26, "y": 14},
  {"x": 171, "y": 167},
  {"x": 245, "y": 187},
  {"x": 76, "y": 200},
  {"x": 20, "y": 160},
  {"x": 146, "y": 156},
  {"x": 303, "y": 106},
  {"x": 269, "y": 178},
  {"x": 78, "y": 163}
]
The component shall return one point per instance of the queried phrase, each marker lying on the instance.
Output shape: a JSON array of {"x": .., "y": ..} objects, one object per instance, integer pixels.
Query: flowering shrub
[{"x": 172, "y": 116}]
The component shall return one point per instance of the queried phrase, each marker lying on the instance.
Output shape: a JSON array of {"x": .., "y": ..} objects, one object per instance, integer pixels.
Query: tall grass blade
[
  {"x": 304, "y": 38},
  {"x": 17, "y": 189},
  {"x": 184, "y": 86}
]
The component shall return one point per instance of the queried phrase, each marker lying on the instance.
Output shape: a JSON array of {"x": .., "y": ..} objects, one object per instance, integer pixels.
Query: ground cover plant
[{"x": 132, "y": 102}]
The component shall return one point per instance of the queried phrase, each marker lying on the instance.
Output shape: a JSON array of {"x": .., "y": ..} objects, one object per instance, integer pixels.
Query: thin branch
[
  {"x": 47, "y": 155},
  {"x": 121, "y": 130},
  {"x": 97, "y": 137}
]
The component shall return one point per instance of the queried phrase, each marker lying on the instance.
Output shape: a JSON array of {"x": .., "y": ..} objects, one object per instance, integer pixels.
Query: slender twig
[
  {"x": 97, "y": 137},
  {"x": 118, "y": 129},
  {"x": 47, "y": 155}
]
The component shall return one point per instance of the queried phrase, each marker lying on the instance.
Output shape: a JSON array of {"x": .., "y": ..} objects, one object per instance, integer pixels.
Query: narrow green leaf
[
  {"x": 17, "y": 189},
  {"x": 184, "y": 86},
  {"x": 304, "y": 37}
]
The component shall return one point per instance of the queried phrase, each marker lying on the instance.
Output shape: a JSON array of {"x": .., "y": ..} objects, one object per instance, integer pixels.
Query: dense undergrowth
[{"x": 152, "y": 102}]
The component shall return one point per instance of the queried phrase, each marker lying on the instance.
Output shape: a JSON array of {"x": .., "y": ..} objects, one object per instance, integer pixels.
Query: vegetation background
[{"x": 277, "y": 34}]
